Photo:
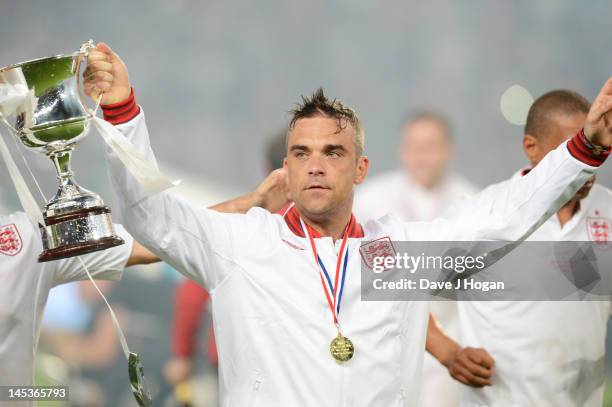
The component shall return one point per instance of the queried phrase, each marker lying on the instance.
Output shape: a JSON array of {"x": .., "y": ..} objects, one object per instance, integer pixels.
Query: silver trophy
[{"x": 51, "y": 119}]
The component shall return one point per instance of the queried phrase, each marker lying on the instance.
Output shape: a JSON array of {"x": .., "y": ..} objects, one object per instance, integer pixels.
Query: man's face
[
  {"x": 323, "y": 166},
  {"x": 563, "y": 127},
  {"x": 425, "y": 152}
]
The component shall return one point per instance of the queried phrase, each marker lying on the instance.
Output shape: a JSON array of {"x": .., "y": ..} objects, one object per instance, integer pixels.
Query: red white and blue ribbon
[{"x": 333, "y": 292}]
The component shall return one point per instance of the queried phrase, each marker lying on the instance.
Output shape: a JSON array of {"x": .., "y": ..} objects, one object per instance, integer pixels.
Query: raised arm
[
  {"x": 513, "y": 210},
  {"x": 200, "y": 243}
]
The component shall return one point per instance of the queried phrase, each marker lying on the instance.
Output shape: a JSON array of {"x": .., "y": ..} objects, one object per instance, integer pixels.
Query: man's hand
[
  {"x": 106, "y": 75},
  {"x": 271, "y": 194},
  {"x": 178, "y": 370},
  {"x": 472, "y": 367},
  {"x": 598, "y": 126}
]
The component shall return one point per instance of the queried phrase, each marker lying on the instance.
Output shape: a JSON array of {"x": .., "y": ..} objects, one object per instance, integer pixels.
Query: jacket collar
[{"x": 292, "y": 218}]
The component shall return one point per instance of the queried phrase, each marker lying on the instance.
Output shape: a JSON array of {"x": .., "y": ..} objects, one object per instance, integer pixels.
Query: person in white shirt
[
  {"x": 25, "y": 285},
  {"x": 290, "y": 326},
  {"x": 546, "y": 353},
  {"x": 421, "y": 190}
]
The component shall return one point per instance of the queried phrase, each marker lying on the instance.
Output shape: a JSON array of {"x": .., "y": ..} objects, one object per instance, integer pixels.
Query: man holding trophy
[
  {"x": 39, "y": 103},
  {"x": 287, "y": 334}
]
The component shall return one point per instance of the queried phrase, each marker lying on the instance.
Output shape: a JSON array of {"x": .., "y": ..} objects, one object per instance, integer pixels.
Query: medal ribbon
[{"x": 334, "y": 305}]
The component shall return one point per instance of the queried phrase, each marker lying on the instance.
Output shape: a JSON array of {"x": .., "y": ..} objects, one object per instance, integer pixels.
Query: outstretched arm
[{"x": 513, "y": 210}]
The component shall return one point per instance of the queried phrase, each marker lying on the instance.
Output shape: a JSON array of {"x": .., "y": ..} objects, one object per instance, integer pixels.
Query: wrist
[
  {"x": 583, "y": 148},
  {"x": 255, "y": 198},
  {"x": 596, "y": 148},
  {"x": 448, "y": 356},
  {"x": 121, "y": 112}
]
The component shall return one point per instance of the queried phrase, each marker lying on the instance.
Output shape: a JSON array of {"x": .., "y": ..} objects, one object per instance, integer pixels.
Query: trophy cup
[{"x": 51, "y": 119}]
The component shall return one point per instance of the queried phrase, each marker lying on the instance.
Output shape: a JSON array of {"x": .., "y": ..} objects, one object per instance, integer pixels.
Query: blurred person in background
[
  {"x": 191, "y": 305},
  {"x": 546, "y": 353},
  {"x": 78, "y": 330},
  {"x": 421, "y": 190}
]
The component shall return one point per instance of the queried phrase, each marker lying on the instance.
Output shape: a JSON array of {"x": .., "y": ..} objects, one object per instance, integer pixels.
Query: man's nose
[{"x": 315, "y": 166}]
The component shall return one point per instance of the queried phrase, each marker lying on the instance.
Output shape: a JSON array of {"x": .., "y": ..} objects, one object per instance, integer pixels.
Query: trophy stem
[
  {"x": 61, "y": 161},
  {"x": 76, "y": 220}
]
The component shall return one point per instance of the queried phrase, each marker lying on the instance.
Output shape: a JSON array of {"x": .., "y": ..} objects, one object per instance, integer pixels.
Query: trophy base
[
  {"x": 80, "y": 232},
  {"x": 79, "y": 249}
]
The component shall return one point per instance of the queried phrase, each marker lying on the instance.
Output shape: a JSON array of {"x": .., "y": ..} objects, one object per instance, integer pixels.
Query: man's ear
[
  {"x": 363, "y": 164},
  {"x": 531, "y": 147}
]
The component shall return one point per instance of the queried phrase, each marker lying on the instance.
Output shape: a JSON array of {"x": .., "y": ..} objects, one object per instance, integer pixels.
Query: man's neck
[
  {"x": 567, "y": 211},
  {"x": 329, "y": 225}
]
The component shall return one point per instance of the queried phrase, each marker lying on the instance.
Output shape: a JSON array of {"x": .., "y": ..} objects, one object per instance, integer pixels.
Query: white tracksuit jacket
[
  {"x": 272, "y": 322},
  {"x": 547, "y": 353}
]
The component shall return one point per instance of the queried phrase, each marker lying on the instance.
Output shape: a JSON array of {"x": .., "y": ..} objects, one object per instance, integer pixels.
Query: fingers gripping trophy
[{"x": 44, "y": 108}]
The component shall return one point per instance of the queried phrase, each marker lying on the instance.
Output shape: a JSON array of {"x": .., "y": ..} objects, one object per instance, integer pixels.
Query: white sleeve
[
  {"x": 103, "y": 265},
  {"x": 202, "y": 244},
  {"x": 516, "y": 210}
]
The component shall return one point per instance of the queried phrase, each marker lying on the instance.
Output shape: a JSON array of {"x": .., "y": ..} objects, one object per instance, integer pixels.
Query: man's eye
[
  {"x": 300, "y": 154},
  {"x": 333, "y": 154}
]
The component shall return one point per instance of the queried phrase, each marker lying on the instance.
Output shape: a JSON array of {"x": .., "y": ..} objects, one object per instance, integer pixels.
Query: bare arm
[
  {"x": 470, "y": 366},
  {"x": 140, "y": 255}
]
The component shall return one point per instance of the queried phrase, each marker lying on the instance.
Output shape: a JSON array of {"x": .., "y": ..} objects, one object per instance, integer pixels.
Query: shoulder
[
  {"x": 263, "y": 222},
  {"x": 599, "y": 200},
  {"x": 393, "y": 227},
  {"x": 600, "y": 192},
  {"x": 20, "y": 222}
]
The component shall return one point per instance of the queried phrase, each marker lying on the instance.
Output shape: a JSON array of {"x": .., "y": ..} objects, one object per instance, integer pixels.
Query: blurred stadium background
[{"x": 217, "y": 78}]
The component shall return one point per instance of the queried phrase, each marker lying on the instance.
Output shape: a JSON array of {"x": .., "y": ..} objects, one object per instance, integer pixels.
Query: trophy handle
[{"x": 82, "y": 54}]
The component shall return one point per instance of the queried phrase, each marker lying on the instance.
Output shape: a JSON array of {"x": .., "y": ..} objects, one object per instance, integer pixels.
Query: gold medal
[{"x": 341, "y": 348}]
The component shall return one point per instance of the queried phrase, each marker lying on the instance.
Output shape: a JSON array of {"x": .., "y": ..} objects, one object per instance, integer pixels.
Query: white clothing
[
  {"x": 272, "y": 322},
  {"x": 546, "y": 353},
  {"x": 24, "y": 288},
  {"x": 394, "y": 192}
]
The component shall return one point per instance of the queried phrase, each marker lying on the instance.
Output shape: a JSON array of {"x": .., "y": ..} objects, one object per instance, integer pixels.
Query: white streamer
[
  {"x": 28, "y": 203},
  {"x": 15, "y": 96},
  {"x": 118, "y": 330},
  {"x": 149, "y": 177}
]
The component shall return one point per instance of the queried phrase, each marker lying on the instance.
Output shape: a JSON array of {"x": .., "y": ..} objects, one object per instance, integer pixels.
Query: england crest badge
[
  {"x": 600, "y": 230},
  {"x": 10, "y": 240},
  {"x": 374, "y": 253}
]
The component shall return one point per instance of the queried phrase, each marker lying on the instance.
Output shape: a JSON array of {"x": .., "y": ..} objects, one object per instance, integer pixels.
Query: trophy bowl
[{"x": 50, "y": 117}]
